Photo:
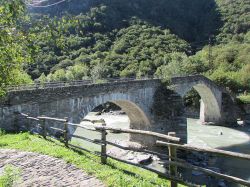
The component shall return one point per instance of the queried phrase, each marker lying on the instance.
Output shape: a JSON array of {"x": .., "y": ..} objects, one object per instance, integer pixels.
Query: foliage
[
  {"x": 113, "y": 174},
  {"x": 10, "y": 176},
  {"x": 76, "y": 72},
  {"x": 245, "y": 98},
  {"x": 2, "y": 132},
  {"x": 107, "y": 39},
  {"x": 130, "y": 53},
  {"x": 235, "y": 17},
  {"x": 13, "y": 44},
  {"x": 177, "y": 64},
  {"x": 228, "y": 65}
]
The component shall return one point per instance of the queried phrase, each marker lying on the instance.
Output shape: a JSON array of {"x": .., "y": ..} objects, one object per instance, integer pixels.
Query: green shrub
[
  {"x": 2, "y": 132},
  {"x": 245, "y": 98}
]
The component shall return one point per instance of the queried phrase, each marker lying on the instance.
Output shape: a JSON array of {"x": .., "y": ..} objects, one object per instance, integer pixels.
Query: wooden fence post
[
  {"x": 172, "y": 156},
  {"x": 44, "y": 133},
  {"x": 103, "y": 146},
  {"x": 66, "y": 141}
]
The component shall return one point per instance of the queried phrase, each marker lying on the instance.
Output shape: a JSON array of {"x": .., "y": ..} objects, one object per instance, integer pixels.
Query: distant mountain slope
[
  {"x": 193, "y": 20},
  {"x": 112, "y": 38},
  {"x": 235, "y": 16}
]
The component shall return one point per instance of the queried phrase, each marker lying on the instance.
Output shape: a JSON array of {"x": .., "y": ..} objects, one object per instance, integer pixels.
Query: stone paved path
[{"x": 41, "y": 170}]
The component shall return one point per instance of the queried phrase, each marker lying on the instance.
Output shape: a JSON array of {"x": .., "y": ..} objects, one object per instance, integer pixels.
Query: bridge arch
[
  {"x": 209, "y": 106},
  {"x": 138, "y": 118},
  {"x": 211, "y": 96}
]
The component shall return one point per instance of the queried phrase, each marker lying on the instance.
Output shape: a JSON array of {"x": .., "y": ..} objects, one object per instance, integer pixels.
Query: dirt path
[{"x": 41, "y": 170}]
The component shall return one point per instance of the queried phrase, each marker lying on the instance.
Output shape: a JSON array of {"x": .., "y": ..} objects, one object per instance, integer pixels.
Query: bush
[
  {"x": 2, "y": 132},
  {"x": 245, "y": 98}
]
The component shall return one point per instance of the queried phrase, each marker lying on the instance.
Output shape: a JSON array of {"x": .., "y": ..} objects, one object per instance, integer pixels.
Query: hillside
[
  {"x": 194, "y": 20},
  {"x": 190, "y": 20},
  {"x": 79, "y": 39}
]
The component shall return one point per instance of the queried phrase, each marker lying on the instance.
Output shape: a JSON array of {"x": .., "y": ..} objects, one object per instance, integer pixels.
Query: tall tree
[{"x": 14, "y": 43}]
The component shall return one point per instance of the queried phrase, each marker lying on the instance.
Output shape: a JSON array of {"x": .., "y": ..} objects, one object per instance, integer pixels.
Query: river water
[
  {"x": 231, "y": 139},
  {"x": 121, "y": 121}
]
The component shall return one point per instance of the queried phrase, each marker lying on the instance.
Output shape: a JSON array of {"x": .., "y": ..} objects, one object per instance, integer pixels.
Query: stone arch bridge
[{"x": 148, "y": 103}]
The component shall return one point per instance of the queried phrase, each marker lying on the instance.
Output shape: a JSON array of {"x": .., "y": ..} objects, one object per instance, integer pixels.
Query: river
[{"x": 231, "y": 139}]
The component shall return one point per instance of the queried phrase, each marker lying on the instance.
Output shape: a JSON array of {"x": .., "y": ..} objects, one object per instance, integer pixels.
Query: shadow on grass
[{"x": 127, "y": 172}]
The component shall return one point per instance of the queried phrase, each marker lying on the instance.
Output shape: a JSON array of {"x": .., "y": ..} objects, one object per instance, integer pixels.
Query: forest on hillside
[{"x": 99, "y": 39}]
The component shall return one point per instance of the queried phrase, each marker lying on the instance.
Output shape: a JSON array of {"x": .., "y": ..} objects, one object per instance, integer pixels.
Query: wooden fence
[{"x": 170, "y": 141}]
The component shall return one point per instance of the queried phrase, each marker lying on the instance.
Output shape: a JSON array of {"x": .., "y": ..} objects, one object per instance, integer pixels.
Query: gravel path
[{"x": 41, "y": 170}]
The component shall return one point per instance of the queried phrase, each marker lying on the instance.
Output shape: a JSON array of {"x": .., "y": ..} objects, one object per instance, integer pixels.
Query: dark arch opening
[{"x": 192, "y": 104}]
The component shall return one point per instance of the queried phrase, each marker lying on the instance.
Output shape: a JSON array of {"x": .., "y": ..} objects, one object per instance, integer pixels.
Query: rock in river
[{"x": 144, "y": 159}]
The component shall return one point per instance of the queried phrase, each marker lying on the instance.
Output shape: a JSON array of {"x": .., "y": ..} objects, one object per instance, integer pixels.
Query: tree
[
  {"x": 13, "y": 44},
  {"x": 179, "y": 64},
  {"x": 77, "y": 72}
]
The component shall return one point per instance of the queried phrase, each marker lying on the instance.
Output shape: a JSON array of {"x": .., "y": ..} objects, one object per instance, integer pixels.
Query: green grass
[
  {"x": 10, "y": 176},
  {"x": 245, "y": 98},
  {"x": 112, "y": 174}
]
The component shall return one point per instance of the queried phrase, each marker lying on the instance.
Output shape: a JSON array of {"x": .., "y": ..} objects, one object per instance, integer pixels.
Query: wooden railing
[{"x": 172, "y": 143}]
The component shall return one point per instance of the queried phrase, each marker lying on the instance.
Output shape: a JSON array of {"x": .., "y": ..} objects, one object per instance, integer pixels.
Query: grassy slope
[{"x": 113, "y": 174}]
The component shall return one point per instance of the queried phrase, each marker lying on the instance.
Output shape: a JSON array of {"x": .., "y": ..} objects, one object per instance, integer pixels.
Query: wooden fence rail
[
  {"x": 207, "y": 150},
  {"x": 173, "y": 161}
]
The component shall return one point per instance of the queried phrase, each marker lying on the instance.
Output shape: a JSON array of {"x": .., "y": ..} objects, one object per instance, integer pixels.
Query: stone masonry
[{"x": 148, "y": 104}]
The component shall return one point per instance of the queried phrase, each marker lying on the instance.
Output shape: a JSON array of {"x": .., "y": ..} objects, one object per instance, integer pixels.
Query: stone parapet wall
[{"x": 52, "y": 94}]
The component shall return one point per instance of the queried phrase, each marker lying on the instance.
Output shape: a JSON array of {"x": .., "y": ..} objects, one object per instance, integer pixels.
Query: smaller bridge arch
[{"x": 210, "y": 93}]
